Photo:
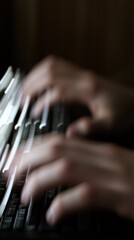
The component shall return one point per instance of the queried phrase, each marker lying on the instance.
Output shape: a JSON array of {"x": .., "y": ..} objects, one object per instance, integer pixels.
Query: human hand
[
  {"x": 110, "y": 104},
  {"x": 99, "y": 175}
]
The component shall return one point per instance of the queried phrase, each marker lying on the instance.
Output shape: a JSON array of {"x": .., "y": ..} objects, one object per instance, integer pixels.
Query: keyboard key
[
  {"x": 35, "y": 211},
  {"x": 69, "y": 224},
  {"x": 44, "y": 227},
  {"x": 6, "y": 223},
  {"x": 50, "y": 195},
  {"x": 20, "y": 218},
  {"x": 3, "y": 182}
]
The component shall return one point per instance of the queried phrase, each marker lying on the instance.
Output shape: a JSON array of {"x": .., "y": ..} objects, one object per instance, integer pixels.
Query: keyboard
[{"x": 16, "y": 126}]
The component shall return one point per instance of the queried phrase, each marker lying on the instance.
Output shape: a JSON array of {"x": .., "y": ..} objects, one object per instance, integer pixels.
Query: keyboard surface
[{"x": 17, "y": 221}]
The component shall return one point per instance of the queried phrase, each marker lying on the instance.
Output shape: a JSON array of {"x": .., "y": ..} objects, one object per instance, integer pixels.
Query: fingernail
[
  {"x": 81, "y": 128},
  {"x": 71, "y": 132},
  {"x": 50, "y": 217},
  {"x": 25, "y": 197},
  {"x": 35, "y": 113}
]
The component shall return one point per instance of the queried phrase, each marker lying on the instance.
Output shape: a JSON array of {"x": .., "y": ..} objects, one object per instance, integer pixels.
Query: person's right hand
[
  {"x": 98, "y": 175},
  {"x": 111, "y": 105}
]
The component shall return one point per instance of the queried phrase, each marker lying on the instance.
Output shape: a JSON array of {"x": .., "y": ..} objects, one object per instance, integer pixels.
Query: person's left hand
[{"x": 110, "y": 104}]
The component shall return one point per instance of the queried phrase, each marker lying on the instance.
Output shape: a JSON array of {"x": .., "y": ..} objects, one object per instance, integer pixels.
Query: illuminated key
[
  {"x": 23, "y": 113},
  {"x": 7, "y": 193},
  {"x": 31, "y": 137},
  {"x": 14, "y": 148},
  {"x": 9, "y": 86},
  {"x": 5, "y": 81},
  {"x": 4, "y": 156},
  {"x": 45, "y": 112}
]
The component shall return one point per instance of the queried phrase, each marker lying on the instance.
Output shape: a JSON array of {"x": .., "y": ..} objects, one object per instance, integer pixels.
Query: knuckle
[
  {"x": 85, "y": 122},
  {"x": 50, "y": 69},
  {"x": 90, "y": 82},
  {"x": 50, "y": 76},
  {"x": 86, "y": 192},
  {"x": 57, "y": 145},
  {"x": 65, "y": 168},
  {"x": 51, "y": 61},
  {"x": 59, "y": 92},
  {"x": 35, "y": 184}
]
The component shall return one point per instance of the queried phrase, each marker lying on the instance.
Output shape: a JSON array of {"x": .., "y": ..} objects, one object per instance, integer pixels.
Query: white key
[
  {"x": 31, "y": 137},
  {"x": 14, "y": 148},
  {"x": 45, "y": 112},
  {"x": 4, "y": 156},
  {"x": 7, "y": 193},
  {"x": 5, "y": 81},
  {"x": 23, "y": 113}
]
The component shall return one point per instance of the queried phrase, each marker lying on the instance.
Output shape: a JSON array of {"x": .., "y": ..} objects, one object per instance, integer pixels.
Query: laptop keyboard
[
  {"x": 17, "y": 126},
  {"x": 13, "y": 215}
]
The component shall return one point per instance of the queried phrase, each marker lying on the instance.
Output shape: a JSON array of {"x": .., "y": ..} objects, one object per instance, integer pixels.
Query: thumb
[
  {"x": 79, "y": 127},
  {"x": 88, "y": 126}
]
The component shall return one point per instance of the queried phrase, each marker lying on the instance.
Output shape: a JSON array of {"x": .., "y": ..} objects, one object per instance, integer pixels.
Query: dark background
[{"x": 97, "y": 34}]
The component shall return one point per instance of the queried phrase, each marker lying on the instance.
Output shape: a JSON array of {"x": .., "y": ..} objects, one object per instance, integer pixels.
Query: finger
[
  {"x": 82, "y": 197},
  {"x": 46, "y": 100},
  {"x": 60, "y": 172},
  {"x": 17, "y": 159},
  {"x": 22, "y": 153},
  {"x": 38, "y": 107},
  {"x": 52, "y": 97},
  {"x": 90, "y": 126},
  {"x": 64, "y": 90},
  {"x": 68, "y": 202},
  {"x": 41, "y": 179},
  {"x": 43, "y": 152},
  {"x": 37, "y": 73},
  {"x": 53, "y": 146},
  {"x": 37, "y": 87},
  {"x": 79, "y": 127},
  {"x": 41, "y": 77}
]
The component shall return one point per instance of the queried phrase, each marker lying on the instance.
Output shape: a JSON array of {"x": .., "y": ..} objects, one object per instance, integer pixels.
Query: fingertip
[
  {"x": 71, "y": 132},
  {"x": 35, "y": 112},
  {"x": 77, "y": 129},
  {"x": 25, "y": 196},
  {"x": 50, "y": 217},
  {"x": 82, "y": 127}
]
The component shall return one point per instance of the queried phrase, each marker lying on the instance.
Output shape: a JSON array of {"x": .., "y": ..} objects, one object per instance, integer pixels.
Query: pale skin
[
  {"x": 111, "y": 105},
  {"x": 99, "y": 175}
]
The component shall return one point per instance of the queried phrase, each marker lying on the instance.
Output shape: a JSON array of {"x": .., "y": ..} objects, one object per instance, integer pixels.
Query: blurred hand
[
  {"x": 99, "y": 175},
  {"x": 111, "y": 105}
]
